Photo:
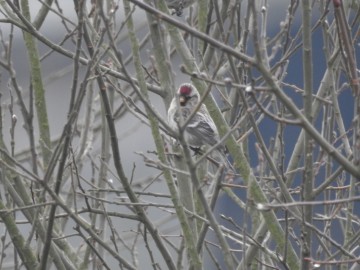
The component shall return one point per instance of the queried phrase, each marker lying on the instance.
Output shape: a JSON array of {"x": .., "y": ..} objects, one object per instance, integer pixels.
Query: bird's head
[{"x": 187, "y": 92}]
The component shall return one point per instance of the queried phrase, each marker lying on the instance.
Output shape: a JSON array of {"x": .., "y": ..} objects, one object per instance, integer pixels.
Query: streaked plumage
[{"x": 201, "y": 129}]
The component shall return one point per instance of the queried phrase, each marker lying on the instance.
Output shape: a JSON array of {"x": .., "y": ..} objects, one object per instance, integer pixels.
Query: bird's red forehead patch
[{"x": 185, "y": 90}]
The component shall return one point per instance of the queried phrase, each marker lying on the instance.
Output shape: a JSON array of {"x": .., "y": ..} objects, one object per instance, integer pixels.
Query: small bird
[{"x": 201, "y": 129}]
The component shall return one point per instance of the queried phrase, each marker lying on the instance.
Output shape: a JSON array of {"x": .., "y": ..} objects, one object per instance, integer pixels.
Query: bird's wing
[{"x": 203, "y": 129}]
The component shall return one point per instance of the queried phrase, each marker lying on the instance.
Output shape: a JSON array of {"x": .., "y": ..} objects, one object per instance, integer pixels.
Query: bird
[{"x": 200, "y": 129}]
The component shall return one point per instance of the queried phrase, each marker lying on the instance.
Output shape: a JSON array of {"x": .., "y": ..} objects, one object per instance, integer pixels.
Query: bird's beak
[{"x": 182, "y": 100}]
